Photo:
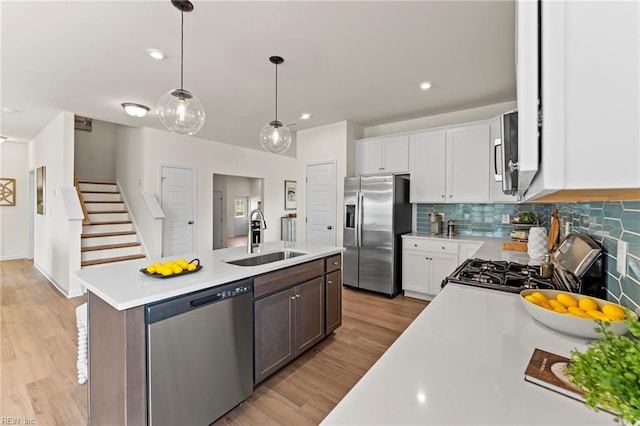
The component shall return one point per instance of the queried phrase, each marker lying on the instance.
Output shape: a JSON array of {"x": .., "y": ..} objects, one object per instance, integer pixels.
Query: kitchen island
[
  {"x": 129, "y": 316},
  {"x": 462, "y": 362}
]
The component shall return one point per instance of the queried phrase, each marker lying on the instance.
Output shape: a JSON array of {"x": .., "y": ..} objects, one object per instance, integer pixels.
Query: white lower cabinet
[{"x": 425, "y": 263}]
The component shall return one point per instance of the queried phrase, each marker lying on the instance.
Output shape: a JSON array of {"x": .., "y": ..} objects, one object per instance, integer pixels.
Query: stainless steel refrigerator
[{"x": 376, "y": 213}]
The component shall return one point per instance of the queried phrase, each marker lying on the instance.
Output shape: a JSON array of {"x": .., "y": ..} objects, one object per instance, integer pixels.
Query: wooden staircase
[{"x": 108, "y": 234}]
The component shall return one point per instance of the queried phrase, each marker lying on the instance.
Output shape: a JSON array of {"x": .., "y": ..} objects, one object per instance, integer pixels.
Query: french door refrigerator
[{"x": 376, "y": 213}]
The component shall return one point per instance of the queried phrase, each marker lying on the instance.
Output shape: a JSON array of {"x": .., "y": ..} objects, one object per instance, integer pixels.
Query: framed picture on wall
[
  {"x": 41, "y": 183},
  {"x": 290, "y": 195},
  {"x": 7, "y": 192}
]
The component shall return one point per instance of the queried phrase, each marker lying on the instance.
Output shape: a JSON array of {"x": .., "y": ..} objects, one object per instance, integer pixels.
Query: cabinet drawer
[
  {"x": 423, "y": 244},
  {"x": 333, "y": 263},
  {"x": 283, "y": 278}
]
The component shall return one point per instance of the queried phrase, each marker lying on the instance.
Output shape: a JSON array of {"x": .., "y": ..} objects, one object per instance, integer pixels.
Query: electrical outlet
[{"x": 621, "y": 265}]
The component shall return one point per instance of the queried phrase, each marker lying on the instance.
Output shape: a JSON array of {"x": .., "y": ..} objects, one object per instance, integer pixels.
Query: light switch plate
[{"x": 621, "y": 265}]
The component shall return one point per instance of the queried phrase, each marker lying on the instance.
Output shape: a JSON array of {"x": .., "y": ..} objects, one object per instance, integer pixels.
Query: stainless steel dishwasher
[{"x": 199, "y": 354}]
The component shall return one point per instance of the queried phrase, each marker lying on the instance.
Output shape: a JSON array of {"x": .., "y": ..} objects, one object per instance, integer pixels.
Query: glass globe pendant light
[
  {"x": 179, "y": 110},
  {"x": 275, "y": 137}
]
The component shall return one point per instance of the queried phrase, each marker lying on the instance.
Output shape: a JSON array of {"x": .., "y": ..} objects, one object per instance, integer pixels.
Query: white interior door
[
  {"x": 178, "y": 204},
  {"x": 218, "y": 216},
  {"x": 240, "y": 212},
  {"x": 320, "y": 203}
]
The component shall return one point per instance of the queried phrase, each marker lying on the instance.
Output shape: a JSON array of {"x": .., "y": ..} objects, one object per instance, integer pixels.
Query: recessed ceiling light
[
  {"x": 305, "y": 116},
  {"x": 8, "y": 109},
  {"x": 425, "y": 85},
  {"x": 135, "y": 110},
  {"x": 156, "y": 54}
]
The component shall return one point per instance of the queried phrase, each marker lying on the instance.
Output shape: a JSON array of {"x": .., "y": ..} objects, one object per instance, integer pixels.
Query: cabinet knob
[
  {"x": 415, "y": 245},
  {"x": 297, "y": 296},
  {"x": 442, "y": 248},
  {"x": 293, "y": 298},
  {"x": 329, "y": 282},
  {"x": 442, "y": 196},
  {"x": 450, "y": 196},
  {"x": 336, "y": 263}
]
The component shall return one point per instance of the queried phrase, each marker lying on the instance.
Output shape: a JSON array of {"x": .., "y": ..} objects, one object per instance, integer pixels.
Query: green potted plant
[{"x": 608, "y": 372}]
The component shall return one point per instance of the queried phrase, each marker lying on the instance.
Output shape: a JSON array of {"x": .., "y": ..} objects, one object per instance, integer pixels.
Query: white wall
[
  {"x": 208, "y": 158},
  {"x": 14, "y": 220},
  {"x": 57, "y": 239},
  {"x": 95, "y": 152},
  {"x": 330, "y": 142},
  {"x": 463, "y": 116}
]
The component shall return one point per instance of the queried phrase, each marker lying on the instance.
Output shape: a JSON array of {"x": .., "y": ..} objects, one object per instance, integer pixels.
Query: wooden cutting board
[{"x": 554, "y": 230}]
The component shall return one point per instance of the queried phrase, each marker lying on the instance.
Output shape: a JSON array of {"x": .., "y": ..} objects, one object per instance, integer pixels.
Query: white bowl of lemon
[{"x": 575, "y": 314}]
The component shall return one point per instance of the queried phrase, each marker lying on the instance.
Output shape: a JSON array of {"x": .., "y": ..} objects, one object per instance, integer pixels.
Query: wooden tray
[
  {"x": 515, "y": 246},
  {"x": 185, "y": 272}
]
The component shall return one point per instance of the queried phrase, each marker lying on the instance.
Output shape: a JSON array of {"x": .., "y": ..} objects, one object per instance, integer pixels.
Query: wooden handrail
[{"x": 85, "y": 221}]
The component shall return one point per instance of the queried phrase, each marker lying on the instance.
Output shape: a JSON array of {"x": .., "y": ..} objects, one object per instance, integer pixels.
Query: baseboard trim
[
  {"x": 14, "y": 257},
  {"x": 51, "y": 280}
]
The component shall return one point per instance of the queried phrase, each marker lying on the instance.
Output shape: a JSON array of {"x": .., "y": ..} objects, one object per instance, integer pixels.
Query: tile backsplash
[{"x": 606, "y": 222}]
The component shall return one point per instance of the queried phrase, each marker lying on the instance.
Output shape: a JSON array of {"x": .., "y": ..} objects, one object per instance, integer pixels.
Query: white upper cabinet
[
  {"x": 388, "y": 154},
  {"x": 427, "y": 153},
  {"x": 590, "y": 97},
  {"x": 468, "y": 163},
  {"x": 450, "y": 165},
  {"x": 496, "y": 194}
]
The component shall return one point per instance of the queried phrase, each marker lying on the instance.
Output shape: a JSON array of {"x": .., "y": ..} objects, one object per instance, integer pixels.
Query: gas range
[
  {"x": 500, "y": 275},
  {"x": 578, "y": 268}
]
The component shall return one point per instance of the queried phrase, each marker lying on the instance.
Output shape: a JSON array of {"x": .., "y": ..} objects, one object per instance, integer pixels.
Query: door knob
[
  {"x": 190, "y": 222},
  {"x": 329, "y": 227}
]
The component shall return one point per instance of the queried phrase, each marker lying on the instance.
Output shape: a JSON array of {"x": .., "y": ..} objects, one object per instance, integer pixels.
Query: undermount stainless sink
[{"x": 265, "y": 258}]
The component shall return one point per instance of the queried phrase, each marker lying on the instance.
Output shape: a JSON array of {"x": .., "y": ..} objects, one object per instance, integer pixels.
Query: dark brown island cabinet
[{"x": 294, "y": 309}]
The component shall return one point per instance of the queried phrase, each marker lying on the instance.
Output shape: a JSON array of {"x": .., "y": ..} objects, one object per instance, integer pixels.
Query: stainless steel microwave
[{"x": 507, "y": 145}]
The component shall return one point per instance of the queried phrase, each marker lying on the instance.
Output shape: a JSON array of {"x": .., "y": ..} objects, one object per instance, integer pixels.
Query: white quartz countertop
[
  {"x": 491, "y": 248},
  {"x": 123, "y": 286},
  {"x": 462, "y": 362}
]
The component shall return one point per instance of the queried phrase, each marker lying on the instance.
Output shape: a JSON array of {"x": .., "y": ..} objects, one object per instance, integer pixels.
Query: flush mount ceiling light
[
  {"x": 135, "y": 110},
  {"x": 156, "y": 54},
  {"x": 275, "y": 137},
  {"x": 305, "y": 116},
  {"x": 178, "y": 110},
  {"x": 425, "y": 85},
  {"x": 3, "y": 138}
]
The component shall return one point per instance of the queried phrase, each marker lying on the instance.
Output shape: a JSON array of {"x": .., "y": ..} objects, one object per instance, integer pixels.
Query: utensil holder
[{"x": 537, "y": 244}]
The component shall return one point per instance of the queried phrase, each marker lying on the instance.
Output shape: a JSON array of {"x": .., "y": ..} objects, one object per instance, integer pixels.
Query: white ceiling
[{"x": 357, "y": 61}]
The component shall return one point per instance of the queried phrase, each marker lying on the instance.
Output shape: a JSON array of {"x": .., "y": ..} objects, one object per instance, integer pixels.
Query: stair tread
[
  {"x": 99, "y": 192},
  {"x": 108, "y": 234},
  {"x": 107, "y": 211},
  {"x": 110, "y": 222},
  {"x": 96, "y": 182},
  {"x": 112, "y": 259},
  {"x": 110, "y": 246}
]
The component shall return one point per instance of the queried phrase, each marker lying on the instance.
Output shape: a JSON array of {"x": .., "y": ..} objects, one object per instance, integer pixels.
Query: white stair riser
[
  {"x": 108, "y": 217},
  {"x": 101, "y": 241},
  {"x": 103, "y": 254},
  {"x": 98, "y": 187},
  {"x": 103, "y": 206},
  {"x": 86, "y": 196},
  {"x": 98, "y": 229}
]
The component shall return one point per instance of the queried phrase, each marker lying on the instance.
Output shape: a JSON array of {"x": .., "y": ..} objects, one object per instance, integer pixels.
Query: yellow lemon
[
  {"x": 557, "y": 306},
  {"x": 532, "y": 299},
  {"x": 177, "y": 269},
  {"x": 182, "y": 263},
  {"x": 577, "y": 311},
  {"x": 166, "y": 271},
  {"x": 151, "y": 269},
  {"x": 597, "y": 315},
  {"x": 615, "y": 312},
  {"x": 539, "y": 296},
  {"x": 588, "y": 304},
  {"x": 567, "y": 300},
  {"x": 191, "y": 267}
]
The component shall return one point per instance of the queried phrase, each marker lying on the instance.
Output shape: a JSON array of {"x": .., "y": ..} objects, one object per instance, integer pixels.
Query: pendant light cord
[
  {"x": 276, "y": 92},
  {"x": 181, "y": 49}
]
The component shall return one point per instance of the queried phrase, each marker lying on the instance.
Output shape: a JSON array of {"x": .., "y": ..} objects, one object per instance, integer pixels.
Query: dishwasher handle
[
  {"x": 167, "y": 308},
  {"x": 206, "y": 300}
]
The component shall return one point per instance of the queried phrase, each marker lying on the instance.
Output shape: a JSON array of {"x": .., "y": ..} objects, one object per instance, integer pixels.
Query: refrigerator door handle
[{"x": 359, "y": 219}]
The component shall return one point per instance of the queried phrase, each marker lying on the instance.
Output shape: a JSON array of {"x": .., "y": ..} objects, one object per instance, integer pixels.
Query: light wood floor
[{"x": 38, "y": 356}]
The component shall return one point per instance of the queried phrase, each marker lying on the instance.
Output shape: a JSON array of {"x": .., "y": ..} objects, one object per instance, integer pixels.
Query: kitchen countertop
[
  {"x": 123, "y": 286},
  {"x": 491, "y": 248},
  {"x": 462, "y": 362}
]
